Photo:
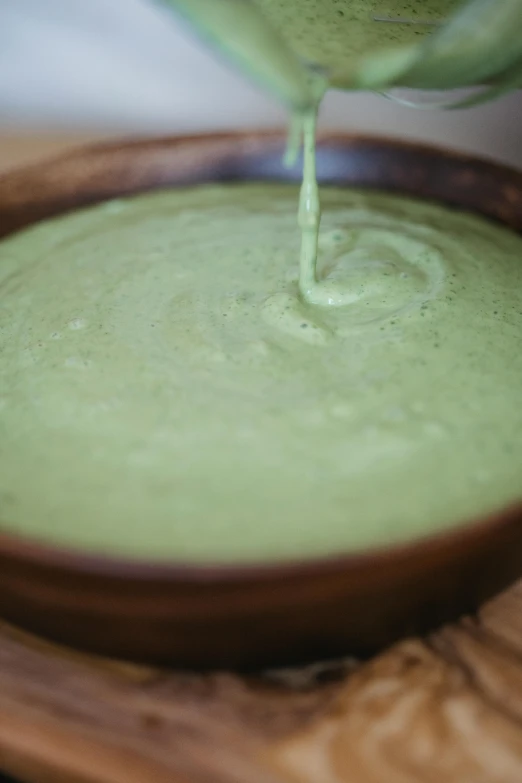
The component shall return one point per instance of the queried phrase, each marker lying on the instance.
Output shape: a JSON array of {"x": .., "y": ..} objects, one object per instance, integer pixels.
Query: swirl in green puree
[{"x": 174, "y": 385}]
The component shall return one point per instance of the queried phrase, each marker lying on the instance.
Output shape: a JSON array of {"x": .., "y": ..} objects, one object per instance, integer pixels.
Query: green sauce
[{"x": 166, "y": 392}]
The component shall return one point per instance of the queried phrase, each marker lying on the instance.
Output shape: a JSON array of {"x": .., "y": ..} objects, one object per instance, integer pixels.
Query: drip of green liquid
[{"x": 303, "y": 129}]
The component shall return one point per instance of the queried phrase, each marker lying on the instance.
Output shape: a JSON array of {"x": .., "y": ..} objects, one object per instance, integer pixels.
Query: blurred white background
[{"x": 126, "y": 66}]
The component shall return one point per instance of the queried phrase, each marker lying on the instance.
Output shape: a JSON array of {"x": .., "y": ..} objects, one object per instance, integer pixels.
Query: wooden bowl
[{"x": 245, "y": 616}]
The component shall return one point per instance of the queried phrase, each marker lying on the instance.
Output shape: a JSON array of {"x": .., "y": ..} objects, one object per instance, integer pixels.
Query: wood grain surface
[{"x": 445, "y": 709}]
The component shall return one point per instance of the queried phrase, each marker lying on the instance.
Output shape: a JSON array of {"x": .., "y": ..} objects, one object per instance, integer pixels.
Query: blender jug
[{"x": 299, "y": 48}]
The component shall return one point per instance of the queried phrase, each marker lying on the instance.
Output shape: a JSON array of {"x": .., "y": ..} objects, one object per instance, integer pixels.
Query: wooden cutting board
[{"x": 447, "y": 709}]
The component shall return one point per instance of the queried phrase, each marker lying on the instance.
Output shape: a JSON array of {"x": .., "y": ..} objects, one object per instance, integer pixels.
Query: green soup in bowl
[{"x": 180, "y": 428}]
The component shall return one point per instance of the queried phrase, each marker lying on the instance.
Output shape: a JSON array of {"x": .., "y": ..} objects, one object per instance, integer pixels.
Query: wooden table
[{"x": 447, "y": 709}]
